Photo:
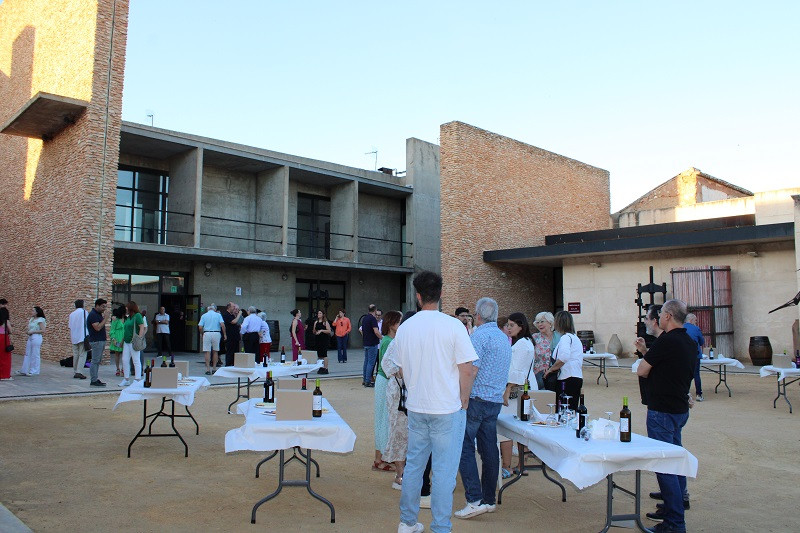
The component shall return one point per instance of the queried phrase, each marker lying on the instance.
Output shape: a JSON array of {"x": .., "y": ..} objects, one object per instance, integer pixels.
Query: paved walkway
[{"x": 55, "y": 380}]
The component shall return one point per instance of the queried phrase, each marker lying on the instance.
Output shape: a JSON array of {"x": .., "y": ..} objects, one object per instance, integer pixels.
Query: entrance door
[{"x": 192, "y": 317}]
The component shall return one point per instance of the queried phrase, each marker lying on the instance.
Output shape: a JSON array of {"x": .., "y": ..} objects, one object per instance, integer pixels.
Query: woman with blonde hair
[
  {"x": 568, "y": 357},
  {"x": 545, "y": 341}
]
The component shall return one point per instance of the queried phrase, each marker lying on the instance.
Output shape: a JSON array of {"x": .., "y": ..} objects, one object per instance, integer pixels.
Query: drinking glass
[
  {"x": 552, "y": 419},
  {"x": 609, "y": 429}
]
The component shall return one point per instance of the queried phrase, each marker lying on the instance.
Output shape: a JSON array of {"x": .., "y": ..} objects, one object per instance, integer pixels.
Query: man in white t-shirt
[
  {"x": 162, "y": 331},
  {"x": 435, "y": 354},
  {"x": 77, "y": 333}
]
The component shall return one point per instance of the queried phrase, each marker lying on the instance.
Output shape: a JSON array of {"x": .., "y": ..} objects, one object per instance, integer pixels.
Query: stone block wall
[
  {"x": 499, "y": 193},
  {"x": 57, "y": 196}
]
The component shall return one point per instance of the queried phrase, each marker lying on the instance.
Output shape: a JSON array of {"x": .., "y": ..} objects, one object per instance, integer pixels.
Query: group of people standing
[
  {"x": 37, "y": 324},
  {"x": 237, "y": 329}
]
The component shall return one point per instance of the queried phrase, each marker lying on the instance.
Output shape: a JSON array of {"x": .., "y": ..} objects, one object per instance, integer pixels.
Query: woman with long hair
[
  {"x": 568, "y": 358},
  {"x": 391, "y": 321},
  {"x": 297, "y": 332},
  {"x": 520, "y": 372},
  {"x": 36, "y": 326},
  {"x": 5, "y": 341},
  {"x": 322, "y": 333},
  {"x": 115, "y": 334},
  {"x": 134, "y": 323}
]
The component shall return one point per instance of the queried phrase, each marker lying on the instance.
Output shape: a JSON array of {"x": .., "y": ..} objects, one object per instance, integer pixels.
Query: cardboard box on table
[
  {"x": 780, "y": 360},
  {"x": 290, "y": 383},
  {"x": 309, "y": 355},
  {"x": 164, "y": 378},
  {"x": 293, "y": 404},
  {"x": 183, "y": 368},
  {"x": 244, "y": 360}
]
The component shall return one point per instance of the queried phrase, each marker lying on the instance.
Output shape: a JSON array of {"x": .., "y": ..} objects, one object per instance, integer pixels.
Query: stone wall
[{"x": 57, "y": 196}]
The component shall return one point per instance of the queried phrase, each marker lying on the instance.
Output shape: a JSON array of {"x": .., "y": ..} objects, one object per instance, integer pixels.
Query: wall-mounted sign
[
  {"x": 173, "y": 289},
  {"x": 574, "y": 308},
  {"x": 238, "y": 291}
]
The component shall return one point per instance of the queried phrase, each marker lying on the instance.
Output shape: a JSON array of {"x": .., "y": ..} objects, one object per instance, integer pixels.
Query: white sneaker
[
  {"x": 699, "y": 398},
  {"x": 416, "y": 528},
  {"x": 425, "y": 502},
  {"x": 471, "y": 509},
  {"x": 490, "y": 508},
  {"x": 124, "y": 383},
  {"x": 397, "y": 486}
]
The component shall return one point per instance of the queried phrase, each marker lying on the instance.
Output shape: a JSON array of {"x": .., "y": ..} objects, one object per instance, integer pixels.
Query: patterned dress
[{"x": 397, "y": 445}]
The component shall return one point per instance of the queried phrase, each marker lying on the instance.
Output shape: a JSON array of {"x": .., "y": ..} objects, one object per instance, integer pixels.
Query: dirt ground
[{"x": 64, "y": 468}]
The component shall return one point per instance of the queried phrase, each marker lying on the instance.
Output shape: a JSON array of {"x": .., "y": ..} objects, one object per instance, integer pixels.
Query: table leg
[
  {"x": 308, "y": 458},
  {"x": 314, "y": 494},
  {"x": 258, "y": 466},
  {"x": 172, "y": 420},
  {"x": 637, "y": 496},
  {"x": 144, "y": 423},
  {"x": 602, "y": 372},
  {"x": 160, "y": 412},
  {"x": 239, "y": 392},
  {"x": 782, "y": 392},
  {"x": 723, "y": 378},
  {"x": 522, "y": 468},
  {"x": 277, "y": 491}
]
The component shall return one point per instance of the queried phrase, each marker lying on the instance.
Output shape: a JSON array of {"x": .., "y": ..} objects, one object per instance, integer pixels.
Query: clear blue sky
[{"x": 642, "y": 89}]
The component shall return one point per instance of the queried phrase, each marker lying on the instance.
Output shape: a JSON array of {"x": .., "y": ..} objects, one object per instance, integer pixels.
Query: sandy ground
[{"x": 64, "y": 469}]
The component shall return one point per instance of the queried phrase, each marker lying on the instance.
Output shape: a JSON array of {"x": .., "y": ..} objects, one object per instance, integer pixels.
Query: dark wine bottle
[
  {"x": 561, "y": 398},
  {"x": 163, "y": 361},
  {"x": 625, "y": 421},
  {"x": 523, "y": 403},
  {"x": 147, "y": 375},
  {"x": 172, "y": 361},
  {"x": 269, "y": 389},
  {"x": 283, "y": 354},
  {"x": 582, "y": 414},
  {"x": 304, "y": 385},
  {"x": 316, "y": 409}
]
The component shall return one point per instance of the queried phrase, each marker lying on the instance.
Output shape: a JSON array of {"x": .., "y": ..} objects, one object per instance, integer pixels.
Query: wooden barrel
[
  {"x": 586, "y": 336},
  {"x": 760, "y": 351}
]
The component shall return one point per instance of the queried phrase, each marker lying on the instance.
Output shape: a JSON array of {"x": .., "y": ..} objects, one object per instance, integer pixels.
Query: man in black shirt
[
  {"x": 669, "y": 369},
  {"x": 232, "y": 317},
  {"x": 96, "y": 326}
]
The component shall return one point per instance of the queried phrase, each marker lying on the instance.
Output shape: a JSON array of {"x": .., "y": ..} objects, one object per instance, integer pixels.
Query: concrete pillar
[
  {"x": 272, "y": 193},
  {"x": 344, "y": 222},
  {"x": 198, "y": 196},
  {"x": 183, "y": 177}
]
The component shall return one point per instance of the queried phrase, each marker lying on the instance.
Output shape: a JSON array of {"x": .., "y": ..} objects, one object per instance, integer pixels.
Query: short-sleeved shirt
[
  {"x": 232, "y": 329},
  {"x": 430, "y": 346},
  {"x": 494, "y": 358},
  {"x": 131, "y": 325},
  {"x": 162, "y": 328},
  {"x": 385, "y": 342},
  {"x": 697, "y": 336},
  {"x": 210, "y": 321},
  {"x": 369, "y": 322},
  {"x": 673, "y": 357},
  {"x": 94, "y": 335},
  {"x": 522, "y": 365},
  {"x": 569, "y": 350}
]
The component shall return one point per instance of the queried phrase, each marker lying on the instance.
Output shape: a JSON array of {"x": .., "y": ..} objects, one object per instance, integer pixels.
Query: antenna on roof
[
  {"x": 150, "y": 115},
  {"x": 374, "y": 151}
]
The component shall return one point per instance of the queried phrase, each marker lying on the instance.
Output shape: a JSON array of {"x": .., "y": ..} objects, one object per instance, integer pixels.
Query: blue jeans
[
  {"x": 481, "y": 425},
  {"x": 698, "y": 385},
  {"x": 666, "y": 427},
  {"x": 341, "y": 348},
  {"x": 370, "y": 357},
  {"x": 434, "y": 436},
  {"x": 97, "y": 356}
]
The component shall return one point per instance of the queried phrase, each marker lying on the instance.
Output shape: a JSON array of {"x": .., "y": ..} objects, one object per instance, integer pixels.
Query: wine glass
[
  {"x": 609, "y": 429},
  {"x": 552, "y": 419},
  {"x": 565, "y": 410}
]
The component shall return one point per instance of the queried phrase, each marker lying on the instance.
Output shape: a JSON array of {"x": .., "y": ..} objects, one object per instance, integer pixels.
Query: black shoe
[
  {"x": 664, "y": 528},
  {"x": 656, "y": 496},
  {"x": 685, "y": 505},
  {"x": 97, "y": 383},
  {"x": 78, "y": 375},
  {"x": 370, "y": 384},
  {"x": 322, "y": 371},
  {"x": 659, "y": 514}
]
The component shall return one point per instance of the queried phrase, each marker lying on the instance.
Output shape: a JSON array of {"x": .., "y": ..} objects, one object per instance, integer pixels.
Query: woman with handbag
[
  {"x": 6, "y": 348},
  {"x": 115, "y": 334},
  {"x": 519, "y": 372},
  {"x": 390, "y": 391},
  {"x": 568, "y": 359},
  {"x": 391, "y": 321},
  {"x": 33, "y": 348},
  {"x": 132, "y": 343}
]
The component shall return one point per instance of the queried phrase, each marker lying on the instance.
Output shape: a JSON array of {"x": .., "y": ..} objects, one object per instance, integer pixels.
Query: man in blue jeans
[
  {"x": 669, "y": 369},
  {"x": 436, "y": 355},
  {"x": 372, "y": 337},
  {"x": 494, "y": 357},
  {"x": 697, "y": 336}
]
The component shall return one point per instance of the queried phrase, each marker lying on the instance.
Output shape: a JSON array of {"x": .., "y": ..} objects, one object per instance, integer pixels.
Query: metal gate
[{"x": 707, "y": 293}]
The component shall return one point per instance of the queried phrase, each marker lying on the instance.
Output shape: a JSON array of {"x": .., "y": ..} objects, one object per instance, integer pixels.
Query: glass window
[
  {"x": 313, "y": 226},
  {"x": 141, "y": 206},
  {"x": 144, "y": 283}
]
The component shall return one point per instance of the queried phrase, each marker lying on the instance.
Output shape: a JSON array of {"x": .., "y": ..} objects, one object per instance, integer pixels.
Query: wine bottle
[
  {"x": 523, "y": 403},
  {"x": 625, "y": 421},
  {"x": 591, "y": 347},
  {"x": 147, "y": 372},
  {"x": 797, "y": 359},
  {"x": 317, "y": 407},
  {"x": 269, "y": 389},
  {"x": 304, "y": 385},
  {"x": 172, "y": 361},
  {"x": 582, "y": 414},
  {"x": 163, "y": 361},
  {"x": 711, "y": 353},
  {"x": 283, "y": 354},
  {"x": 561, "y": 398}
]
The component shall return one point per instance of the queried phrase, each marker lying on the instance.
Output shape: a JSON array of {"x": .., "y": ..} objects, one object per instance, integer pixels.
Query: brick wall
[
  {"x": 498, "y": 193},
  {"x": 57, "y": 196}
]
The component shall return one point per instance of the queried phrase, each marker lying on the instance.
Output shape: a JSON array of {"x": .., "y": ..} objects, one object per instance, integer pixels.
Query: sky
[{"x": 644, "y": 90}]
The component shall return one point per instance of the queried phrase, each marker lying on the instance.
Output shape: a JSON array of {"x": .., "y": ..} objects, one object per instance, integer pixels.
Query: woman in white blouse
[
  {"x": 520, "y": 372},
  {"x": 569, "y": 358},
  {"x": 36, "y": 326}
]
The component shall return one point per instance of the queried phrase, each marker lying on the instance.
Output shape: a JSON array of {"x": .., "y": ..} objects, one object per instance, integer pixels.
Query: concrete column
[
  {"x": 182, "y": 178},
  {"x": 271, "y": 204},
  {"x": 285, "y": 218},
  {"x": 344, "y": 222},
  {"x": 198, "y": 196}
]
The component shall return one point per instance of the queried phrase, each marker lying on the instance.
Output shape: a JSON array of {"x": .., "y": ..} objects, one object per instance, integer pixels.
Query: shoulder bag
[{"x": 401, "y": 406}]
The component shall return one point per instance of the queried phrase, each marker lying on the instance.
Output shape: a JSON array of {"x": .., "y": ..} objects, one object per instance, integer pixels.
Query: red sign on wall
[{"x": 574, "y": 308}]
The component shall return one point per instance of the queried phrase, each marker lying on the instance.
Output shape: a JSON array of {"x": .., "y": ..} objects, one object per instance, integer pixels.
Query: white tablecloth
[
  {"x": 719, "y": 361},
  {"x": 585, "y": 463},
  {"x": 782, "y": 373},
  {"x": 262, "y": 433},
  {"x": 184, "y": 394},
  {"x": 611, "y": 359},
  {"x": 259, "y": 372}
]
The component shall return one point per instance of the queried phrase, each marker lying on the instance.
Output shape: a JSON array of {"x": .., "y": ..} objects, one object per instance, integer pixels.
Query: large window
[
  {"x": 141, "y": 205},
  {"x": 313, "y": 226}
]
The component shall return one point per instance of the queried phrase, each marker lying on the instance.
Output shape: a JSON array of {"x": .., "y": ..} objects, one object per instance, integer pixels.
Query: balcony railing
[{"x": 176, "y": 228}]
